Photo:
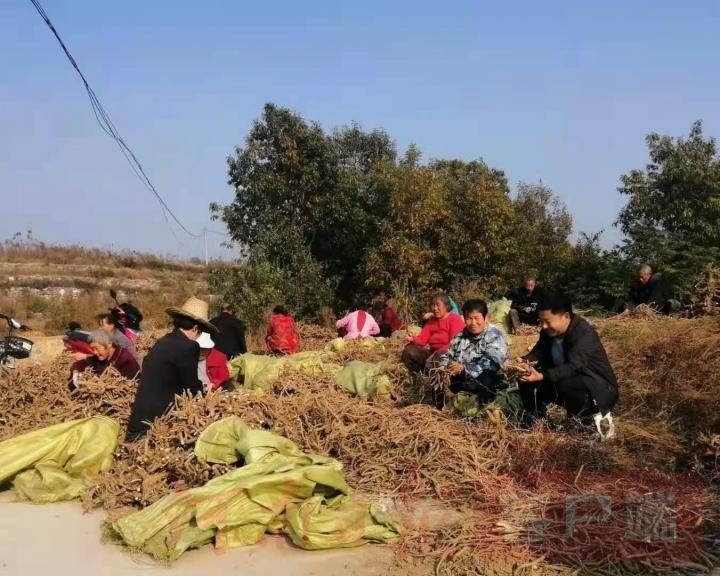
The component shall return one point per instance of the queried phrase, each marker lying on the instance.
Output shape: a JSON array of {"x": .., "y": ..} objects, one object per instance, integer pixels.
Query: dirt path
[{"x": 59, "y": 539}]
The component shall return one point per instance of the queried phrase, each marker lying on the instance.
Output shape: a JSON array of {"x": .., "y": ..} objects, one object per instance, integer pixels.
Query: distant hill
[{"x": 47, "y": 286}]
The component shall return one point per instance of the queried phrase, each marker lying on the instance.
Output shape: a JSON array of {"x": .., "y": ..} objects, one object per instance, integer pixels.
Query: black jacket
[
  {"x": 230, "y": 339},
  {"x": 585, "y": 358},
  {"x": 654, "y": 293},
  {"x": 170, "y": 368},
  {"x": 521, "y": 298}
]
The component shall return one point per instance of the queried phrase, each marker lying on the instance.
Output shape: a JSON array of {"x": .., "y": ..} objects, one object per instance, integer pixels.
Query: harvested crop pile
[
  {"x": 38, "y": 396},
  {"x": 313, "y": 337},
  {"x": 705, "y": 297},
  {"x": 667, "y": 420}
]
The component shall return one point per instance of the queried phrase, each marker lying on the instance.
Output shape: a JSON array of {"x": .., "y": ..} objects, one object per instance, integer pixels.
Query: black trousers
[
  {"x": 580, "y": 395},
  {"x": 485, "y": 387}
]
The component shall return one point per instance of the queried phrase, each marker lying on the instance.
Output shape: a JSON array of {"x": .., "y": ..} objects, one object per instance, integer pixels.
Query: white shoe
[{"x": 610, "y": 433}]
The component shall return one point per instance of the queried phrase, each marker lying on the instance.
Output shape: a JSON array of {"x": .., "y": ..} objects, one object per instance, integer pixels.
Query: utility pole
[{"x": 207, "y": 262}]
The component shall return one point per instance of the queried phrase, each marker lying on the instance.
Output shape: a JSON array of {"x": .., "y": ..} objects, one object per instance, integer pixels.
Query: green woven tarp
[
  {"x": 341, "y": 345},
  {"x": 364, "y": 379},
  {"x": 258, "y": 372},
  {"x": 279, "y": 488},
  {"x": 52, "y": 464},
  {"x": 499, "y": 314}
]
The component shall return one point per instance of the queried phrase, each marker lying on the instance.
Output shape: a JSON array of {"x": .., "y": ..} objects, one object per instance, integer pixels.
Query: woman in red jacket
[
  {"x": 439, "y": 330},
  {"x": 282, "y": 337}
]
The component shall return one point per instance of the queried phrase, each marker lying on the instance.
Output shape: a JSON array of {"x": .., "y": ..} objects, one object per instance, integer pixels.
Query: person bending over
[
  {"x": 358, "y": 324},
  {"x": 105, "y": 354},
  {"x": 282, "y": 337},
  {"x": 171, "y": 367}
]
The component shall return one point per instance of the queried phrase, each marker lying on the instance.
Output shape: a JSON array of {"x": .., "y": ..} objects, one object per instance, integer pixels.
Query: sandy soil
[{"x": 59, "y": 539}]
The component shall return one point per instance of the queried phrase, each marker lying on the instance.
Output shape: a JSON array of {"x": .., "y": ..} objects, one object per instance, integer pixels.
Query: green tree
[
  {"x": 543, "y": 226},
  {"x": 679, "y": 191},
  {"x": 308, "y": 202},
  {"x": 450, "y": 222},
  {"x": 672, "y": 217}
]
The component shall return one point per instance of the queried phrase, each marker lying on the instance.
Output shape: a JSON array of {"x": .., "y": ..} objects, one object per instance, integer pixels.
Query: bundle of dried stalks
[
  {"x": 669, "y": 373},
  {"x": 313, "y": 337},
  {"x": 37, "y": 396},
  {"x": 704, "y": 300}
]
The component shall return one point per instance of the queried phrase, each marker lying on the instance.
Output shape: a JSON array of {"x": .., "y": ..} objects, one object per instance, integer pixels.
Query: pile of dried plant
[
  {"x": 313, "y": 337},
  {"x": 704, "y": 299},
  {"x": 667, "y": 419}
]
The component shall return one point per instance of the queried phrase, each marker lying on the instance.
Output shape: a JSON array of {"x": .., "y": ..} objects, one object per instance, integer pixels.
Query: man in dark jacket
[
  {"x": 171, "y": 367},
  {"x": 230, "y": 340},
  {"x": 525, "y": 299},
  {"x": 650, "y": 289},
  {"x": 573, "y": 369}
]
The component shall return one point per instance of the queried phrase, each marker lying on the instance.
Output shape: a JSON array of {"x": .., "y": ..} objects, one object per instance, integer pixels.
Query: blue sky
[{"x": 559, "y": 91}]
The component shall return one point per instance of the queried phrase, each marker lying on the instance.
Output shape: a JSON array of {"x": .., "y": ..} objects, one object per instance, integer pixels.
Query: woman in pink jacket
[
  {"x": 421, "y": 351},
  {"x": 358, "y": 324}
]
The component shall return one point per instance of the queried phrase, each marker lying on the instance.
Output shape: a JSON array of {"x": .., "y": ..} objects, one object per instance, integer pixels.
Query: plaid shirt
[{"x": 481, "y": 353}]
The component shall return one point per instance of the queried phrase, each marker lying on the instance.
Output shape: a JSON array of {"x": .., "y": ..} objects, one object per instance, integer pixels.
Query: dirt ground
[{"x": 59, "y": 539}]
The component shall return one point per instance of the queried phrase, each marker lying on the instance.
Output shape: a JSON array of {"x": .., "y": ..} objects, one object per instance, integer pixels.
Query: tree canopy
[{"x": 330, "y": 218}]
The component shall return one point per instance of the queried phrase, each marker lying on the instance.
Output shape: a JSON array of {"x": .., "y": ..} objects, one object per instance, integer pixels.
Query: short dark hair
[
  {"x": 280, "y": 310},
  {"x": 475, "y": 305},
  {"x": 184, "y": 323},
  {"x": 556, "y": 303},
  {"x": 529, "y": 277}
]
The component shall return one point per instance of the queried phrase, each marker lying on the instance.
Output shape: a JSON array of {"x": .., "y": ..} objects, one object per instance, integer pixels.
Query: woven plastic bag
[{"x": 53, "y": 464}]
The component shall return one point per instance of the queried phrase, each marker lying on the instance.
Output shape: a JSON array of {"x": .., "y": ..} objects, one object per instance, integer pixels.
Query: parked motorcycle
[
  {"x": 13, "y": 347},
  {"x": 128, "y": 316}
]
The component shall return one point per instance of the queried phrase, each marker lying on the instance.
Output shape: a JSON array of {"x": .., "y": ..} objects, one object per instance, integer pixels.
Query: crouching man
[
  {"x": 476, "y": 355},
  {"x": 573, "y": 369}
]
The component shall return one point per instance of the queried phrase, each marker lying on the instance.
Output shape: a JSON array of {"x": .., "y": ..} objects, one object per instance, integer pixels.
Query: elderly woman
[
  {"x": 423, "y": 350},
  {"x": 105, "y": 353}
]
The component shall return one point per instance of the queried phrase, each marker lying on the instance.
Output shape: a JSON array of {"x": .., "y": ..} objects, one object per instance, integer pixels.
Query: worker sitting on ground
[
  {"x": 230, "y": 340},
  {"x": 105, "y": 354},
  {"x": 387, "y": 318},
  {"x": 213, "y": 371},
  {"x": 649, "y": 289},
  {"x": 110, "y": 324},
  {"x": 525, "y": 298},
  {"x": 476, "y": 355},
  {"x": 424, "y": 350},
  {"x": 573, "y": 369},
  {"x": 358, "y": 324},
  {"x": 171, "y": 366},
  {"x": 282, "y": 337}
]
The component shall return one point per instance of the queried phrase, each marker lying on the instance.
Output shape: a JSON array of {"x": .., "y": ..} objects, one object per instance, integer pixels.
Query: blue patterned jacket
[{"x": 482, "y": 353}]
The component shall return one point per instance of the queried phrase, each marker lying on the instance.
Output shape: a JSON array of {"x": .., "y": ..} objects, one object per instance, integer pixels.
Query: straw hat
[{"x": 196, "y": 310}]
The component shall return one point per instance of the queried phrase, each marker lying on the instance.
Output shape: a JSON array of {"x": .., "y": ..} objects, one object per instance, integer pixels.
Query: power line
[{"x": 104, "y": 121}]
